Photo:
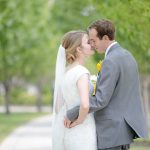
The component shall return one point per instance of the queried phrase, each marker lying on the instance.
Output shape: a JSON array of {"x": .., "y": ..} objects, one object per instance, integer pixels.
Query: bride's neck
[
  {"x": 76, "y": 62},
  {"x": 79, "y": 62}
]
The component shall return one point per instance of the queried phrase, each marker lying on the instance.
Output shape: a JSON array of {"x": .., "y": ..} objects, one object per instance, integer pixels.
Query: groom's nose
[{"x": 92, "y": 45}]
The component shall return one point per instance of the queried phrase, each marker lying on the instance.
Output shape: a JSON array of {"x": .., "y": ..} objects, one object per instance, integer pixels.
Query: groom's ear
[{"x": 105, "y": 37}]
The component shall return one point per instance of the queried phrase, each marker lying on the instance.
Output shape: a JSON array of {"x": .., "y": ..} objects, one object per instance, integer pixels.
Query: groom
[{"x": 117, "y": 107}]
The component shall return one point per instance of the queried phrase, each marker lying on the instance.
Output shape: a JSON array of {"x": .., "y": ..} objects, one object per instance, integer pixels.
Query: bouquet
[{"x": 93, "y": 78}]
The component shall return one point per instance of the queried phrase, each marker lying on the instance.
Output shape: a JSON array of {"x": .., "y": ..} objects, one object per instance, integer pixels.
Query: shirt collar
[{"x": 108, "y": 48}]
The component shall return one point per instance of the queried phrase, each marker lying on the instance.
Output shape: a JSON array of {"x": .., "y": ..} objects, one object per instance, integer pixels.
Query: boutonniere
[{"x": 98, "y": 66}]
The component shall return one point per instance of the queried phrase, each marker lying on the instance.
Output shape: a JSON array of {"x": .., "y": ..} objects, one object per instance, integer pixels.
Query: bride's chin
[
  {"x": 92, "y": 53},
  {"x": 88, "y": 55}
]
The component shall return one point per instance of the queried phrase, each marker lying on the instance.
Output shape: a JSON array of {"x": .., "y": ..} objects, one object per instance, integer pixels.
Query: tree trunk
[
  {"x": 5, "y": 76},
  {"x": 7, "y": 97},
  {"x": 39, "y": 99}
]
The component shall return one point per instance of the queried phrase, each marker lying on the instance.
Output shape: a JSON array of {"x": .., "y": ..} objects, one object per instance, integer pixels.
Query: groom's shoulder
[
  {"x": 118, "y": 54},
  {"x": 121, "y": 52},
  {"x": 124, "y": 50}
]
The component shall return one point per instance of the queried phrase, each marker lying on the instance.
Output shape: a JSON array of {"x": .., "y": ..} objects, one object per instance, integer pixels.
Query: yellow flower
[{"x": 99, "y": 65}]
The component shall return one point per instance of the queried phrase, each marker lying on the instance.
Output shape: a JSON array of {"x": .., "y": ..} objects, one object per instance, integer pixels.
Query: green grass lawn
[
  {"x": 139, "y": 148},
  {"x": 9, "y": 122}
]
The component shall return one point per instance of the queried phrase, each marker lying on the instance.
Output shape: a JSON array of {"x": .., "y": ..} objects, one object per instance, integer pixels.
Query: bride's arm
[{"x": 83, "y": 87}]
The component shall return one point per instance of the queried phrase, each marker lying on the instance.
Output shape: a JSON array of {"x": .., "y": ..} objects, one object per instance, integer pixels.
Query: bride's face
[{"x": 86, "y": 47}]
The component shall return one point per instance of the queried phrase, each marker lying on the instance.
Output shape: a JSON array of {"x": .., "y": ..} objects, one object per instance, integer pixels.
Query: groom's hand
[
  {"x": 67, "y": 122},
  {"x": 73, "y": 124}
]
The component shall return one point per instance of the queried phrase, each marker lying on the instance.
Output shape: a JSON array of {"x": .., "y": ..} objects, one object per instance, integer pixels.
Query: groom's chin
[
  {"x": 100, "y": 51},
  {"x": 94, "y": 50}
]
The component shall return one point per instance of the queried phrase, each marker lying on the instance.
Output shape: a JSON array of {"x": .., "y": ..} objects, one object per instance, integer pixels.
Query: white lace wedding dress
[{"x": 80, "y": 137}]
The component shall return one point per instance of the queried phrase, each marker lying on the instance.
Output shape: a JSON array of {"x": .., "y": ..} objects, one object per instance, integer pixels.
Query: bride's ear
[{"x": 79, "y": 50}]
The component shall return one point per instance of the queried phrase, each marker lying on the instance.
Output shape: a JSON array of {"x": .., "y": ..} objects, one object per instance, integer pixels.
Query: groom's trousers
[{"x": 123, "y": 147}]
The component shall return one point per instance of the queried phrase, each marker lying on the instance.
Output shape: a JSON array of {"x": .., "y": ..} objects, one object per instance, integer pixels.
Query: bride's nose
[{"x": 92, "y": 44}]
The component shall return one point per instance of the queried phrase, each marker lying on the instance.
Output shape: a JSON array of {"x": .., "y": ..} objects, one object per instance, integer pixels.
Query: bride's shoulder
[
  {"x": 82, "y": 69},
  {"x": 78, "y": 69}
]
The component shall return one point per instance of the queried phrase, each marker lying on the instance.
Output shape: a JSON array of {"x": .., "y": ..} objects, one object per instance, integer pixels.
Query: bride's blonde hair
[{"x": 70, "y": 42}]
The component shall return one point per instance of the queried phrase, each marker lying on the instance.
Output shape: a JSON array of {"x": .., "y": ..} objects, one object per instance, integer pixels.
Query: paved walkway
[
  {"x": 19, "y": 109},
  {"x": 35, "y": 135}
]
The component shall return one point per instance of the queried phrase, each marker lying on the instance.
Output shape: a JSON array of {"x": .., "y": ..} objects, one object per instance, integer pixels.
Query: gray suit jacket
[{"x": 117, "y": 107}]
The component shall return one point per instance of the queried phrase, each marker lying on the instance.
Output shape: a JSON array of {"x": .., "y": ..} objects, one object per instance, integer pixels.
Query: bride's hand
[{"x": 67, "y": 122}]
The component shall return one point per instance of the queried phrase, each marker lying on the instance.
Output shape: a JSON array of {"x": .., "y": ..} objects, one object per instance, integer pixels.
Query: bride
[{"x": 72, "y": 88}]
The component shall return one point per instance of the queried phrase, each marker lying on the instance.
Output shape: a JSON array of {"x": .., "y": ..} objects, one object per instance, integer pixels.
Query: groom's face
[{"x": 98, "y": 44}]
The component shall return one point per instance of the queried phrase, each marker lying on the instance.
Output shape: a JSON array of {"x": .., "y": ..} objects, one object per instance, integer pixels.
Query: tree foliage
[
  {"x": 131, "y": 18},
  {"x": 23, "y": 38}
]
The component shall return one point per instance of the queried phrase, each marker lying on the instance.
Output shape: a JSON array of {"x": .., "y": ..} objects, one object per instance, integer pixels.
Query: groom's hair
[{"x": 103, "y": 27}]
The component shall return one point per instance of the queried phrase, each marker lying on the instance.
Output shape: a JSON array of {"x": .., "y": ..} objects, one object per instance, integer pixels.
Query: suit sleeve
[{"x": 105, "y": 87}]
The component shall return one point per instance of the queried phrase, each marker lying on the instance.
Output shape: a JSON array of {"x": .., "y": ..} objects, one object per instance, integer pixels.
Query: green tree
[{"x": 23, "y": 42}]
